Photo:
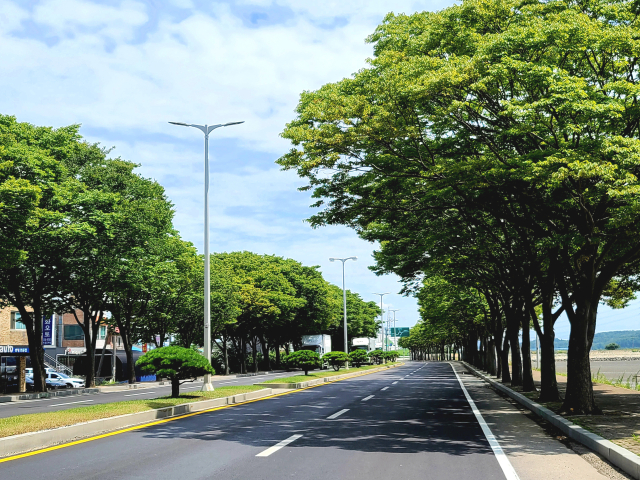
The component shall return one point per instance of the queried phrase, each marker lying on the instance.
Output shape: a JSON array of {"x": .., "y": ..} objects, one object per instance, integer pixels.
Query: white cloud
[{"x": 123, "y": 71}]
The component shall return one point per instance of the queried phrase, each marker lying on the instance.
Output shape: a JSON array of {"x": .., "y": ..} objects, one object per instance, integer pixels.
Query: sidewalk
[{"x": 620, "y": 406}]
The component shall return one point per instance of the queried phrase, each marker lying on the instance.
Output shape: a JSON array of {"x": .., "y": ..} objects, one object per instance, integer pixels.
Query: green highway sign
[{"x": 399, "y": 332}]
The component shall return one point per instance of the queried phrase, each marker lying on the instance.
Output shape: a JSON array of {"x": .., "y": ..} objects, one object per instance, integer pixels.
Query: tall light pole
[
  {"x": 382, "y": 312},
  {"x": 394, "y": 325},
  {"x": 344, "y": 299},
  {"x": 206, "y": 129}
]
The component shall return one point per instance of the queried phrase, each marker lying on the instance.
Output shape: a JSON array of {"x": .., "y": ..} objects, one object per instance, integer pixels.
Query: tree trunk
[
  {"x": 36, "y": 350},
  {"x": 548, "y": 382},
  {"x": 175, "y": 387},
  {"x": 254, "y": 354},
  {"x": 243, "y": 355},
  {"x": 265, "y": 353},
  {"x": 528, "y": 384},
  {"x": 516, "y": 360},
  {"x": 579, "y": 399},
  {"x": 278, "y": 365},
  {"x": 506, "y": 375},
  {"x": 226, "y": 354}
]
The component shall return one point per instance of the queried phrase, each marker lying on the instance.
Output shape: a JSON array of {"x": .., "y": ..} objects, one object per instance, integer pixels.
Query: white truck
[
  {"x": 363, "y": 343},
  {"x": 320, "y": 344}
]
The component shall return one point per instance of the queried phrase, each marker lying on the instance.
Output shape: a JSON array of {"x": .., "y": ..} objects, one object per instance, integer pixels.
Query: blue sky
[{"x": 123, "y": 69}]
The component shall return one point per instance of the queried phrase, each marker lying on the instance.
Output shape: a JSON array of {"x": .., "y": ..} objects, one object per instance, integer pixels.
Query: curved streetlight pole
[
  {"x": 206, "y": 129},
  {"x": 344, "y": 301}
]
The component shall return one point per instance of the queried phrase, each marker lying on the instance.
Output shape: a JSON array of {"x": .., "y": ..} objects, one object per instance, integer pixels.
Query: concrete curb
[
  {"x": 54, "y": 393},
  {"x": 320, "y": 381},
  {"x": 46, "y": 438},
  {"x": 618, "y": 456}
]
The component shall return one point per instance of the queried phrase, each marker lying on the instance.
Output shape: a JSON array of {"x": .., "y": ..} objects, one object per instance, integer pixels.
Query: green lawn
[
  {"x": 316, "y": 374},
  {"x": 44, "y": 421}
]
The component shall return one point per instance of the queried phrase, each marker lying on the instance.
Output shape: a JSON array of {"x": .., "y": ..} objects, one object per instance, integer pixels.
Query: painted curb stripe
[
  {"x": 171, "y": 419},
  {"x": 504, "y": 462}
]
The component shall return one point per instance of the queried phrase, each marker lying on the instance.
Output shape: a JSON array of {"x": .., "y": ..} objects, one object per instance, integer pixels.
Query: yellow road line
[{"x": 166, "y": 420}]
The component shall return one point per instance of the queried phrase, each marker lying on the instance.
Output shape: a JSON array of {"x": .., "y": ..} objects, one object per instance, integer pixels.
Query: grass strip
[
  {"x": 34, "y": 422},
  {"x": 315, "y": 375}
]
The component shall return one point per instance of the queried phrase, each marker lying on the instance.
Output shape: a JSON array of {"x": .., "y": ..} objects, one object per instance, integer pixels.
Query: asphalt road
[
  {"x": 9, "y": 409},
  {"x": 411, "y": 422}
]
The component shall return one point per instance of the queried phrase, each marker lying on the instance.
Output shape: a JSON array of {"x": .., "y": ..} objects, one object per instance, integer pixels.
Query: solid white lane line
[
  {"x": 136, "y": 394},
  {"x": 502, "y": 458},
  {"x": 69, "y": 403},
  {"x": 394, "y": 382},
  {"x": 337, "y": 414},
  {"x": 278, "y": 446},
  {"x": 367, "y": 398},
  {"x": 384, "y": 388}
]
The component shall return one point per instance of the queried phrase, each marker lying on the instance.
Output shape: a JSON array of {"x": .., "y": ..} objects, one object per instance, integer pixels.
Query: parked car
[
  {"x": 52, "y": 383},
  {"x": 69, "y": 381}
]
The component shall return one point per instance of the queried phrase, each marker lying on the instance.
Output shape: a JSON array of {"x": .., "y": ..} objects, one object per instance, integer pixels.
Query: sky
[{"x": 124, "y": 69}]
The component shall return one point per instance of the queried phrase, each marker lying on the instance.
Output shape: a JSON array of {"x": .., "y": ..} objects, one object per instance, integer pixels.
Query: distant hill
[{"x": 624, "y": 338}]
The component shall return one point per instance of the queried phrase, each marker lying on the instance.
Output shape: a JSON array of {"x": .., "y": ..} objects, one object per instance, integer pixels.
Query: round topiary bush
[
  {"x": 335, "y": 359},
  {"x": 175, "y": 363},
  {"x": 358, "y": 357},
  {"x": 304, "y": 359}
]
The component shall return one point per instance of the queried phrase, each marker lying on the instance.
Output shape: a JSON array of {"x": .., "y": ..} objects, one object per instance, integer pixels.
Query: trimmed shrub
[
  {"x": 376, "y": 356},
  {"x": 358, "y": 357},
  {"x": 335, "y": 359},
  {"x": 612, "y": 346},
  {"x": 303, "y": 359},
  {"x": 175, "y": 363}
]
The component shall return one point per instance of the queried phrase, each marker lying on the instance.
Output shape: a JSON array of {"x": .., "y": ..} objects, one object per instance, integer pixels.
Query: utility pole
[
  {"x": 382, "y": 312},
  {"x": 344, "y": 303}
]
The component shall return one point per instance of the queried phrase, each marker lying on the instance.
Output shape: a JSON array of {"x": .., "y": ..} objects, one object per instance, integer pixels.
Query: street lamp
[
  {"x": 394, "y": 325},
  {"x": 344, "y": 300},
  {"x": 382, "y": 312},
  {"x": 206, "y": 129}
]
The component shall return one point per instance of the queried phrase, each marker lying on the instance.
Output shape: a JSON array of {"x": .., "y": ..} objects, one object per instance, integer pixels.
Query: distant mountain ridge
[{"x": 624, "y": 338}]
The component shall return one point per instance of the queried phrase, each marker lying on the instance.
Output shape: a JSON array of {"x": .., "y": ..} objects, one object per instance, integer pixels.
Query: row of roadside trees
[
  {"x": 493, "y": 150},
  {"x": 83, "y": 232}
]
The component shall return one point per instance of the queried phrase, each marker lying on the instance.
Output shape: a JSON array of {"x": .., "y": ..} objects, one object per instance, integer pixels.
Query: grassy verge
[
  {"x": 43, "y": 421},
  {"x": 316, "y": 374}
]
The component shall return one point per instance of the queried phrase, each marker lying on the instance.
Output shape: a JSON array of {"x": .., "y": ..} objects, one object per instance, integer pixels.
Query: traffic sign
[{"x": 399, "y": 332}]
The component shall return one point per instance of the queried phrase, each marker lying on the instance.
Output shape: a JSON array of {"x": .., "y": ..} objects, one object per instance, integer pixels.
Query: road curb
[
  {"x": 618, "y": 456},
  {"x": 320, "y": 381},
  {"x": 46, "y": 438},
  {"x": 55, "y": 393}
]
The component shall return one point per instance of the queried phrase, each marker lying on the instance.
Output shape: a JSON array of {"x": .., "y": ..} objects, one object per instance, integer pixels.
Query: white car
[{"x": 70, "y": 381}]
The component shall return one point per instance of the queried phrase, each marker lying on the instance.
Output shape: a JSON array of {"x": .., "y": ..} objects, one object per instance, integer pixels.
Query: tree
[
  {"x": 179, "y": 364},
  {"x": 304, "y": 359},
  {"x": 336, "y": 359},
  {"x": 522, "y": 113},
  {"x": 39, "y": 196},
  {"x": 358, "y": 357},
  {"x": 612, "y": 346}
]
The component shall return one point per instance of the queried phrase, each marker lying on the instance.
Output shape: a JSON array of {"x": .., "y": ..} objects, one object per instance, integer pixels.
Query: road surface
[{"x": 411, "y": 422}]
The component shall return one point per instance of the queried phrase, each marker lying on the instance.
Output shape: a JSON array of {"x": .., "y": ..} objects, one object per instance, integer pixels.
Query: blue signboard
[
  {"x": 47, "y": 330},
  {"x": 14, "y": 350}
]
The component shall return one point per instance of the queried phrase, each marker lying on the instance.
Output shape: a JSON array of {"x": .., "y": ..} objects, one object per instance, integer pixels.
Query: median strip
[{"x": 278, "y": 446}]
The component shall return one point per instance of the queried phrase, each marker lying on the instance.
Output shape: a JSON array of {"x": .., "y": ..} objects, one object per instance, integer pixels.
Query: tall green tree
[{"x": 524, "y": 111}]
